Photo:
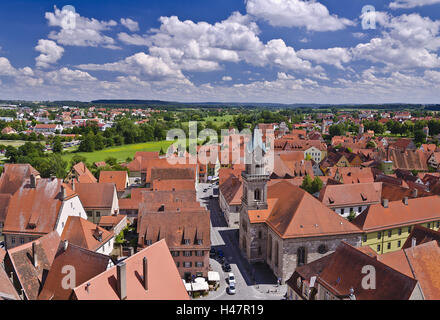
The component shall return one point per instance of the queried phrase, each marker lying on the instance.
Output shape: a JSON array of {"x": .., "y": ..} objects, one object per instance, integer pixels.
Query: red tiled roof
[
  {"x": 418, "y": 210},
  {"x": 119, "y": 178},
  {"x": 84, "y": 174},
  {"x": 298, "y": 214},
  {"x": 344, "y": 271},
  {"x": 14, "y": 176},
  {"x": 36, "y": 210},
  {"x": 98, "y": 195},
  {"x": 21, "y": 258},
  {"x": 351, "y": 194},
  {"x": 87, "y": 264},
  {"x": 164, "y": 282},
  {"x": 84, "y": 233}
]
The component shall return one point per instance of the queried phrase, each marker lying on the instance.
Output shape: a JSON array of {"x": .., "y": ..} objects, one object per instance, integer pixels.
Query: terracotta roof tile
[
  {"x": 425, "y": 264},
  {"x": 344, "y": 271},
  {"x": 98, "y": 195},
  {"x": 119, "y": 178},
  {"x": 299, "y": 214},
  {"x": 344, "y": 195},
  {"x": 164, "y": 282},
  {"x": 7, "y": 290},
  {"x": 418, "y": 210},
  {"x": 85, "y": 234},
  {"x": 36, "y": 210},
  {"x": 14, "y": 176},
  {"x": 21, "y": 258},
  {"x": 87, "y": 264}
]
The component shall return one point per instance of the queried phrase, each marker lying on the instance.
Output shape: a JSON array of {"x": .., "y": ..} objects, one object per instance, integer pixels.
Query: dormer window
[
  {"x": 186, "y": 241},
  {"x": 148, "y": 242},
  {"x": 199, "y": 241}
]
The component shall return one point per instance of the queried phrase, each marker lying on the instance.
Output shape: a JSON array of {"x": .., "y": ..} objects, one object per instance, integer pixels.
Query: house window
[
  {"x": 186, "y": 241},
  {"x": 89, "y": 213},
  {"x": 378, "y": 248},
  {"x": 389, "y": 245},
  {"x": 259, "y": 235},
  {"x": 438, "y": 224},
  {"x": 98, "y": 214},
  {"x": 148, "y": 242},
  {"x": 199, "y": 264},
  {"x": 379, "y": 235},
  {"x": 177, "y": 264},
  {"x": 360, "y": 209},
  {"x": 257, "y": 194},
  {"x": 389, "y": 233},
  {"x": 187, "y": 264},
  {"x": 187, "y": 253},
  {"x": 199, "y": 253},
  {"x": 13, "y": 240},
  {"x": 399, "y": 243},
  {"x": 429, "y": 225},
  {"x": 175, "y": 253},
  {"x": 409, "y": 229},
  {"x": 400, "y": 231},
  {"x": 364, "y": 238},
  {"x": 21, "y": 240},
  {"x": 199, "y": 241},
  {"x": 322, "y": 249}
]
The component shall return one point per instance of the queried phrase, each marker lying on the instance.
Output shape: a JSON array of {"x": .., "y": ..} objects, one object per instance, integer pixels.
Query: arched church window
[
  {"x": 301, "y": 256},
  {"x": 257, "y": 194}
]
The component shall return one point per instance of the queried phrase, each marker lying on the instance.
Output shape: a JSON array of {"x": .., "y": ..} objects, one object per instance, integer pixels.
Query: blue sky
[{"x": 287, "y": 51}]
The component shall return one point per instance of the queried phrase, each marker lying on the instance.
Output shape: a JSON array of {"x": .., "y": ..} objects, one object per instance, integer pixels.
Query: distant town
[{"x": 93, "y": 208}]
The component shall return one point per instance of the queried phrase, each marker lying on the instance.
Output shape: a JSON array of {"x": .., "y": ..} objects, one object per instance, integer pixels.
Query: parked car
[
  {"x": 212, "y": 253},
  {"x": 232, "y": 289},
  {"x": 231, "y": 278},
  {"x": 226, "y": 267}
]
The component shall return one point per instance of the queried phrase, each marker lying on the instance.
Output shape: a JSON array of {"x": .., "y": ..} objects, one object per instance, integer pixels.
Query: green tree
[{"x": 57, "y": 146}]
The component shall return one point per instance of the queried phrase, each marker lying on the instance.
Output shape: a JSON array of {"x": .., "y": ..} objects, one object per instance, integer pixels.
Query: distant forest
[{"x": 170, "y": 105}]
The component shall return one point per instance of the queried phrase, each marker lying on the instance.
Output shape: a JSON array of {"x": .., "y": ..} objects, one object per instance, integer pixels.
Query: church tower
[{"x": 255, "y": 176}]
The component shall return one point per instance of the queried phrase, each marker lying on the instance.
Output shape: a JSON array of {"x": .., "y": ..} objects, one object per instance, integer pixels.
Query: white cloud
[
  {"x": 6, "y": 69},
  {"x": 407, "y": 41},
  {"x": 331, "y": 56},
  {"x": 203, "y": 47},
  {"x": 312, "y": 15},
  {"x": 50, "y": 53},
  {"x": 407, "y": 4},
  {"x": 130, "y": 24},
  {"x": 133, "y": 39},
  {"x": 80, "y": 31},
  {"x": 68, "y": 76},
  {"x": 141, "y": 64},
  {"x": 227, "y": 78}
]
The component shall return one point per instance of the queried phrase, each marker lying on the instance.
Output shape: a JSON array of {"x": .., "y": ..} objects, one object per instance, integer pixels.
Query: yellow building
[{"x": 386, "y": 226}]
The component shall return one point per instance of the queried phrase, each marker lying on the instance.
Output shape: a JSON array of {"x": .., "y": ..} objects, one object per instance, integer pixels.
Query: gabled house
[
  {"x": 119, "y": 178},
  {"x": 98, "y": 199},
  {"x": 38, "y": 208},
  {"x": 81, "y": 174}
]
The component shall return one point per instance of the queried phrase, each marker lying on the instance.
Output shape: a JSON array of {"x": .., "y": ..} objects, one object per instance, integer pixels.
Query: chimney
[
  {"x": 415, "y": 193},
  {"x": 63, "y": 193},
  {"x": 413, "y": 242},
  {"x": 162, "y": 207},
  {"x": 121, "y": 270},
  {"x": 145, "y": 265},
  {"x": 385, "y": 203},
  {"x": 33, "y": 182},
  {"x": 65, "y": 245},
  {"x": 405, "y": 201},
  {"x": 34, "y": 254}
]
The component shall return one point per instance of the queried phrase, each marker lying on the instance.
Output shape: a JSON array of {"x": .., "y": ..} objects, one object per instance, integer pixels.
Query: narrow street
[{"x": 253, "y": 282}]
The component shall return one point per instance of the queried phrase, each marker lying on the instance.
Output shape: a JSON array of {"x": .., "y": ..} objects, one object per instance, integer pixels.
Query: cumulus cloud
[
  {"x": 68, "y": 76},
  {"x": 312, "y": 15},
  {"x": 141, "y": 64},
  {"x": 79, "y": 31},
  {"x": 50, "y": 53},
  {"x": 130, "y": 24},
  {"x": 331, "y": 56},
  {"x": 408, "y": 4},
  {"x": 407, "y": 41},
  {"x": 227, "y": 78}
]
